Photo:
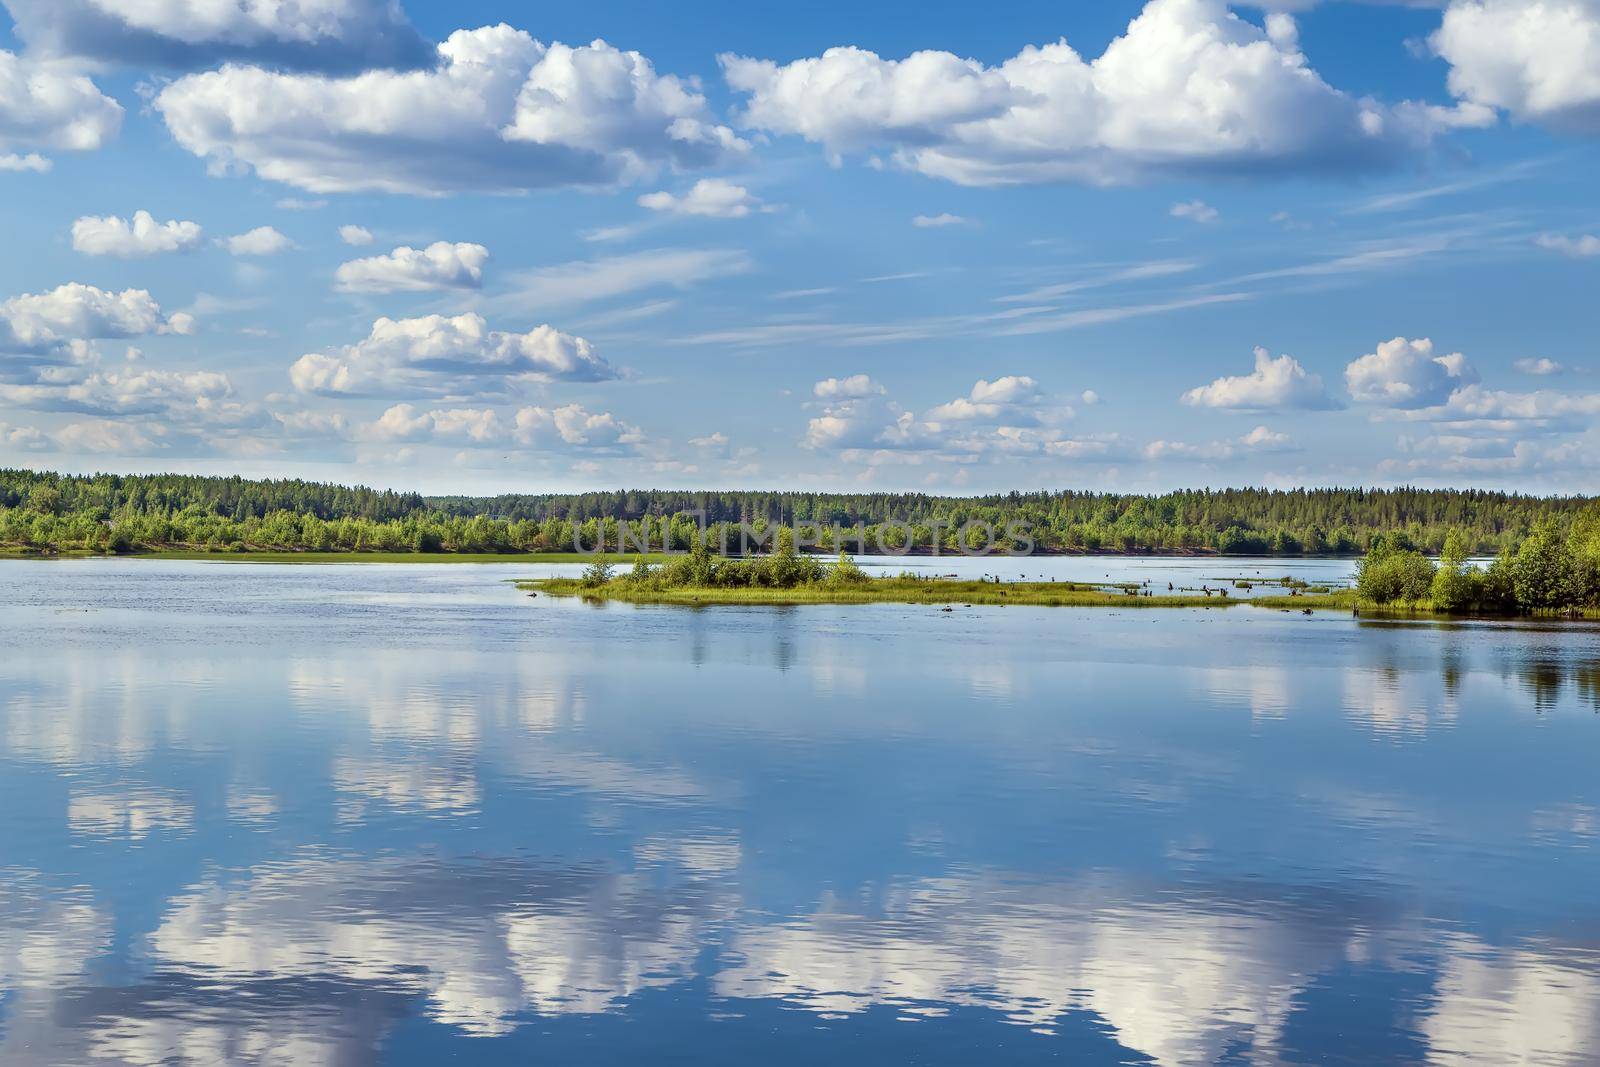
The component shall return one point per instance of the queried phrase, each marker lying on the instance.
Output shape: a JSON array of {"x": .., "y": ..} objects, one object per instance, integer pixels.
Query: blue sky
[{"x": 482, "y": 247}]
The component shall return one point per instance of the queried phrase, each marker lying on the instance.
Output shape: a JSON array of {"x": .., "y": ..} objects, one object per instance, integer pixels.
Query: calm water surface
[{"x": 406, "y": 814}]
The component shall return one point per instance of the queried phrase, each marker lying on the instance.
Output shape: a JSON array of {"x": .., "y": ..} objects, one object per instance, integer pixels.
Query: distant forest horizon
[{"x": 47, "y": 510}]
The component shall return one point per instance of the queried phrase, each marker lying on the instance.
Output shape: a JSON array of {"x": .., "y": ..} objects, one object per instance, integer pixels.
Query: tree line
[{"x": 107, "y": 512}]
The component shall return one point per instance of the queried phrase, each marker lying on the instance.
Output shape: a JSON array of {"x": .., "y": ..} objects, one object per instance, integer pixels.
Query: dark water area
[{"x": 406, "y": 814}]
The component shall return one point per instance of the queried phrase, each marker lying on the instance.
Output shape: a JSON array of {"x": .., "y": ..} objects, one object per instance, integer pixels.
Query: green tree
[{"x": 1543, "y": 574}]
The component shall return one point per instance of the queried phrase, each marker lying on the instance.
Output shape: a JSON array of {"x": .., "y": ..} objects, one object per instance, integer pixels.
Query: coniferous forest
[{"x": 44, "y": 512}]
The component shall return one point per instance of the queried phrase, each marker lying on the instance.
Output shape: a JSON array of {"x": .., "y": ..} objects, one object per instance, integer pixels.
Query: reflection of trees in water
[
  {"x": 1543, "y": 680},
  {"x": 1450, "y": 669},
  {"x": 1543, "y": 659},
  {"x": 1546, "y": 671},
  {"x": 763, "y": 635},
  {"x": 1586, "y": 678},
  {"x": 1546, "y": 677}
]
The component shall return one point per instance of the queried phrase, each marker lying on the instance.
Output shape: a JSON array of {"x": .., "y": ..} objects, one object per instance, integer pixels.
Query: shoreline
[{"x": 292, "y": 555}]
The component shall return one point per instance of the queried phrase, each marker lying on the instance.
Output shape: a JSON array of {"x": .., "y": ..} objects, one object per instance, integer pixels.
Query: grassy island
[
  {"x": 1551, "y": 575},
  {"x": 901, "y": 589},
  {"x": 787, "y": 577}
]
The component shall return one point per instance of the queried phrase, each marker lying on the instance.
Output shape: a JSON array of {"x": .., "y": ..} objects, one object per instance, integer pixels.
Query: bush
[
  {"x": 1390, "y": 573},
  {"x": 846, "y": 572},
  {"x": 598, "y": 573}
]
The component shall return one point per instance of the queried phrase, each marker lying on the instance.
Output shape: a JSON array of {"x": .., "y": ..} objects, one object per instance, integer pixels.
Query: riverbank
[
  {"x": 290, "y": 556},
  {"x": 18, "y": 551}
]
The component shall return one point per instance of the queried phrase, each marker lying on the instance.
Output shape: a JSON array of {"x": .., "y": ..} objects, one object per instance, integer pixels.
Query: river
[{"x": 355, "y": 814}]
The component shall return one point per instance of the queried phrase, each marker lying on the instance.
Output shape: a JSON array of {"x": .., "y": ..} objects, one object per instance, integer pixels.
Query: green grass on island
[
  {"x": 787, "y": 577},
  {"x": 887, "y": 590}
]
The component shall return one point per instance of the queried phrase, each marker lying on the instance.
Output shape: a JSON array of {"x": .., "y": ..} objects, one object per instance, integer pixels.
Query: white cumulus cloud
[
  {"x": 712, "y": 198},
  {"x": 33, "y": 161},
  {"x": 1280, "y": 383},
  {"x": 132, "y": 239},
  {"x": 1406, "y": 374},
  {"x": 573, "y": 427},
  {"x": 1539, "y": 60},
  {"x": 1008, "y": 399},
  {"x": 1184, "y": 450},
  {"x": 46, "y": 322},
  {"x": 50, "y": 105},
  {"x": 498, "y": 112},
  {"x": 1188, "y": 88},
  {"x": 106, "y": 437},
  {"x": 261, "y": 241},
  {"x": 1581, "y": 247},
  {"x": 202, "y": 395},
  {"x": 1009, "y": 416},
  {"x": 1266, "y": 439},
  {"x": 355, "y": 236},
  {"x": 24, "y": 438},
  {"x": 440, "y": 355},
  {"x": 570, "y": 428},
  {"x": 442, "y": 265},
  {"x": 855, "y": 386},
  {"x": 1195, "y": 211},
  {"x": 1540, "y": 367},
  {"x": 187, "y": 34}
]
